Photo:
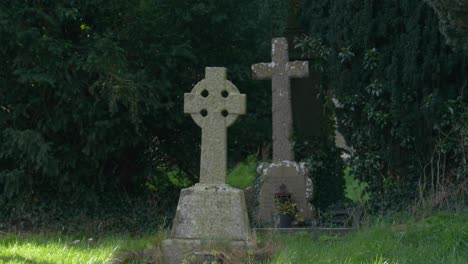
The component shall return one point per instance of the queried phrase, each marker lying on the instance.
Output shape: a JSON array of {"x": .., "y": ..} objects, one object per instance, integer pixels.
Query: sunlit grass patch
[
  {"x": 60, "y": 248},
  {"x": 442, "y": 238},
  {"x": 243, "y": 174},
  {"x": 438, "y": 239}
]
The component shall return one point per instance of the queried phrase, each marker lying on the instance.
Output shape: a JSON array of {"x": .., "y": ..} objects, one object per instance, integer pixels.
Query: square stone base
[
  {"x": 195, "y": 251},
  {"x": 211, "y": 212},
  {"x": 209, "y": 217}
]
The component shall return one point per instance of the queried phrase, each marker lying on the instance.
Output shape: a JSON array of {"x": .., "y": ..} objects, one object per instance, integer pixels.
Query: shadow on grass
[{"x": 21, "y": 259}]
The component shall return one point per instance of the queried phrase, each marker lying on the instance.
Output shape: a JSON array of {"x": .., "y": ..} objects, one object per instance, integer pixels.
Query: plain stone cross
[
  {"x": 280, "y": 70},
  {"x": 214, "y": 104}
]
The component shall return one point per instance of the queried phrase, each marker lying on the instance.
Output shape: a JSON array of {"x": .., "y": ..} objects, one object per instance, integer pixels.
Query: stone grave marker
[
  {"x": 280, "y": 71},
  {"x": 211, "y": 212},
  {"x": 283, "y": 170}
]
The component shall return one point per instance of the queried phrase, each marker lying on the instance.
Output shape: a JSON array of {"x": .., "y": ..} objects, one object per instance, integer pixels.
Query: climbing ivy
[{"x": 393, "y": 75}]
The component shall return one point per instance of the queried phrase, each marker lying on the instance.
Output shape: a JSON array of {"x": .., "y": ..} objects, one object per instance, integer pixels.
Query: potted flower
[{"x": 286, "y": 212}]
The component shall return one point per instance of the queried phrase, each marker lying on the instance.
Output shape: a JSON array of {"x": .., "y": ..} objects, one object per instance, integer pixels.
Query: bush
[
  {"x": 393, "y": 75},
  {"x": 91, "y": 92}
]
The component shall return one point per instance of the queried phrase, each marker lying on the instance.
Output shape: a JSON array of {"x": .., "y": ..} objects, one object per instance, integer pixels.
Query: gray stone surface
[
  {"x": 208, "y": 211},
  {"x": 207, "y": 102},
  {"x": 280, "y": 71},
  {"x": 211, "y": 213},
  {"x": 179, "y": 250},
  {"x": 340, "y": 140},
  {"x": 192, "y": 251},
  {"x": 294, "y": 176}
]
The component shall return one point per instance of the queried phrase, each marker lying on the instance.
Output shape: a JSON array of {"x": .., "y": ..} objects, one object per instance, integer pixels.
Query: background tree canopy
[
  {"x": 91, "y": 96},
  {"x": 453, "y": 21},
  {"x": 402, "y": 91}
]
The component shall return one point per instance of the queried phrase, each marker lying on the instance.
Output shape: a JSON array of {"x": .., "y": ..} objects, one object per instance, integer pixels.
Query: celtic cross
[{"x": 214, "y": 104}]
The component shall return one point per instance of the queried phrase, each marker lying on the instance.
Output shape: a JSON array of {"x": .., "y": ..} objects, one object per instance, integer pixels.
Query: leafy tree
[
  {"x": 91, "y": 92},
  {"x": 394, "y": 76},
  {"x": 453, "y": 21}
]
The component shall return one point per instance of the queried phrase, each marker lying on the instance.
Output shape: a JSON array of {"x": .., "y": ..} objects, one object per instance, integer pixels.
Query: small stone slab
[
  {"x": 280, "y": 71},
  {"x": 177, "y": 251},
  {"x": 180, "y": 250}
]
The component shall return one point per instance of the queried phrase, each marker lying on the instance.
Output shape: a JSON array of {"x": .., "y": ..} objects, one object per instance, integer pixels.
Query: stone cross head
[
  {"x": 280, "y": 71},
  {"x": 214, "y": 104}
]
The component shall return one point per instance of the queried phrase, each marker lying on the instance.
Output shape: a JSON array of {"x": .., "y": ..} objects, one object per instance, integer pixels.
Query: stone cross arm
[
  {"x": 293, "y": 69},
  {"x": 297, "y": 69},
  {"x": 262, "y": 71},
  {"x": 232, "y": 104}
]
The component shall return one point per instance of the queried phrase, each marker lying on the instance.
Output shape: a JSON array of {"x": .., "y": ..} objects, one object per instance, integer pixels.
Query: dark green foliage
[
  {"x": 394, "y": 76},
  {"x": 453, "y": 21},
  {"x": 326, "y": 169},
  {"x": 319, "y": 151},
  {"x": 91, "y": 92},
  {"x": 322, "y": 158},
  {"x": 95, "y": 212}
]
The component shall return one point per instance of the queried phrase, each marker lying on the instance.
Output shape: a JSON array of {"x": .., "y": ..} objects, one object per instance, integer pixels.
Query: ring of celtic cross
[{"x": 213, "y": 100}]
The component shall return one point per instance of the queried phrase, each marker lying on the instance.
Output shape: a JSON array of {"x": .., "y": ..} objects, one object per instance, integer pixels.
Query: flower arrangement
[{"x": 286, "y": 207}]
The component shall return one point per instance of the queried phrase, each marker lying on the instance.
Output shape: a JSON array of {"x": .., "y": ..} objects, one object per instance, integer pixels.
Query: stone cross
[
  {"x": 214, "y": 104},
  {"x": 280, "y": 70}
]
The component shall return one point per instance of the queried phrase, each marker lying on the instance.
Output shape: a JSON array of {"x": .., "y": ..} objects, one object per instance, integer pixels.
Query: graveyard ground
[
  {"x": 440, "y": 238},
  {"x": 97, "y": 137}
]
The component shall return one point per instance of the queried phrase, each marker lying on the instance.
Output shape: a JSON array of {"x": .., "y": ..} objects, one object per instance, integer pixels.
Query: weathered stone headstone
[
  {"x": 273, "y": 176},
  {"x": 280, "y": 71},
  {"x": 283, "y": 170},
  {"x": 210, "y": 212}
]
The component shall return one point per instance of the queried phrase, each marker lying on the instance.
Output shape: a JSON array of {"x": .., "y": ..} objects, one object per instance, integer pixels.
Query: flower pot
[{"x": 282, "y": 221}]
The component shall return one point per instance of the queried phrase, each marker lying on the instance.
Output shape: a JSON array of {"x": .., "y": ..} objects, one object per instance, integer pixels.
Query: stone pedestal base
[
  {"x": 208, "y": 216},
  {"x": 294, "y": 176}
]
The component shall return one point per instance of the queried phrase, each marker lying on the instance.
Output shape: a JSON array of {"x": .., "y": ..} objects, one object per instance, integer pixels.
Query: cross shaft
[{"x": 280, "y": 70}]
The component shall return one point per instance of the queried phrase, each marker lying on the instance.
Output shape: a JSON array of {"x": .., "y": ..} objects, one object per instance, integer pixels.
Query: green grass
[
  {"x": 243, "y": 174},
  {"x": 442, "y": 238},
  {"x": 51, "y": 248},
  {"x": 438, "y": 239}
]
